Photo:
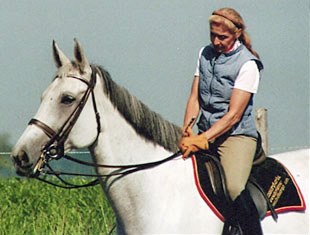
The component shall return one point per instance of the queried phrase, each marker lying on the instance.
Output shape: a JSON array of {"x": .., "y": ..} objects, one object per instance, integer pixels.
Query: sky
[{"x": 151, "y": 48}]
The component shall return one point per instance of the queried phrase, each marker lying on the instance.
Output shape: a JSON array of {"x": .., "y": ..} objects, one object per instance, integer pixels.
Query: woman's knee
[{"x": 234, "y": 190}]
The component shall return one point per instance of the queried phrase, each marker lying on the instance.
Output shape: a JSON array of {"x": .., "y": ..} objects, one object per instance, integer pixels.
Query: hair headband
[{"x": 237, "y": 24}]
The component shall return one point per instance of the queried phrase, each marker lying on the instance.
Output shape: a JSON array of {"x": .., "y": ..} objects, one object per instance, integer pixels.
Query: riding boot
[
  {"x": 242, "y": 218},
  {"x": 231, "y": 228},
  {"x": 246, "y": 214},
  {"x": 231, "y": 225}
]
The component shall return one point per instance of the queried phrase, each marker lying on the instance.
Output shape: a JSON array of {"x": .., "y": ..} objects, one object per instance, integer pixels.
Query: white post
[{"x": 262, "y": 127}]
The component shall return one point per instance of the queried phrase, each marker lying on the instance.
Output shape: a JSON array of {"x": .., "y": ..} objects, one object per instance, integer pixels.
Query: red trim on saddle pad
[
  {"x": 301, "y": 207},
  {"x": 202, "y": 193}
]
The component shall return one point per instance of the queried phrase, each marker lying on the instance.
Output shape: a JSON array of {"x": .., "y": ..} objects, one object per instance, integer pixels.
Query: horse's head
[{"x": 66, "y": 118}]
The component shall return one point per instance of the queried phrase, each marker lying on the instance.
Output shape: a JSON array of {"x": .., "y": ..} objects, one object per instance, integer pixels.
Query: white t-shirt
[{"x": 248, "y": 77}]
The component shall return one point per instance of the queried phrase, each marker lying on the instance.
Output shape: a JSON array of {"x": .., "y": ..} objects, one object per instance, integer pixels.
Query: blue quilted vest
[{"x": 218, "y": 73}]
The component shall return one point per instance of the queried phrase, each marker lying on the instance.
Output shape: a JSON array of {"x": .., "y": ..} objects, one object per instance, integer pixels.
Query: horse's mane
[{"x": 146, "y": 122}]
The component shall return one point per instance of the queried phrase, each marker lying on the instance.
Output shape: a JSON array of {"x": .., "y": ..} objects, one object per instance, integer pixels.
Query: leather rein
[{"x": 54, "y": 148}]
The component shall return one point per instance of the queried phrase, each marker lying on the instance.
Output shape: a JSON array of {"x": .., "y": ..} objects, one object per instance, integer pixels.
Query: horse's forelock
[
  {"x": 66, "y": 69},
  {"x": 146, "y": 122}
]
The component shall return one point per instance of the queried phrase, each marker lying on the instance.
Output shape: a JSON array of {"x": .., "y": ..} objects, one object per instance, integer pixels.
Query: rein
[
  {"x": 54, "y": 148},
  {"x": 122, "y": 170}
]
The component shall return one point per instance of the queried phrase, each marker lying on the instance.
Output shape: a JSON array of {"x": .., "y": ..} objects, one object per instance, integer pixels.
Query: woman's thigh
[{"x": 237, "y": 154}]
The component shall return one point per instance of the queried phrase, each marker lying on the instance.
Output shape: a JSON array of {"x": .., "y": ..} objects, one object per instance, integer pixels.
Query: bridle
[{"x": 54, "y": 148}]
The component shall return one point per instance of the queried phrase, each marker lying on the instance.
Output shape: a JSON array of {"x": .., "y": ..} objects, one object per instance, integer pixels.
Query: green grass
[{"x": 32, "y": 207}]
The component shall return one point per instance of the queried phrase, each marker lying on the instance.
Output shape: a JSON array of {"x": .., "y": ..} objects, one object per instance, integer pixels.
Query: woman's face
[{"x": 222, "y": 39}]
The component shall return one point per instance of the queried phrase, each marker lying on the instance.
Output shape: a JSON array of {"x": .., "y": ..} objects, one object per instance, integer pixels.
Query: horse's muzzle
[{"x": 23, "y": 166}]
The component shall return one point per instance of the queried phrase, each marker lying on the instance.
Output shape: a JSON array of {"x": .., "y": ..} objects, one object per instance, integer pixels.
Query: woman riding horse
[{"x": 224, "y": 84}]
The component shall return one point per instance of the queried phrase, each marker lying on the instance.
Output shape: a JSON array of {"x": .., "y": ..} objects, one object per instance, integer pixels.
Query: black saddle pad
[{"x": 277, "y": 182}]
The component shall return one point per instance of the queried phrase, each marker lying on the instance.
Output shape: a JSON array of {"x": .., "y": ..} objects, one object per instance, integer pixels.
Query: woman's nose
[{"x": 216, "y": 41}]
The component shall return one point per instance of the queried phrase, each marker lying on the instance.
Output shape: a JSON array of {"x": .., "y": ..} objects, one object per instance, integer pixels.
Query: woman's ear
[{"x": 238, "y": 33}]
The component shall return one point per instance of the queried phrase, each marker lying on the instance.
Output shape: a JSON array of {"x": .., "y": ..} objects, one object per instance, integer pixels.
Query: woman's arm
[
  {"x": 238, "y": 103},
  {"x": 192, "y": 107}
]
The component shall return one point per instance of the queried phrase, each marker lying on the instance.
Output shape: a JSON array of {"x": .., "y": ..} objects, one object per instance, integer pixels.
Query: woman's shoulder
[
  {"x": 250, "y": 57},
  {"x": 207, "y": 48},
  {"x": 208, "y": 52}
]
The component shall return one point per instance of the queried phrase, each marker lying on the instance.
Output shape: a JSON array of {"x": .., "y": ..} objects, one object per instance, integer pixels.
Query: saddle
[{"x": 271, "y": 185}]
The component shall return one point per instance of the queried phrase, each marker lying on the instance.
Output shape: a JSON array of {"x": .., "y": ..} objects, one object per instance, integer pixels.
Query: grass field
[{"x": 28, "y": 207}]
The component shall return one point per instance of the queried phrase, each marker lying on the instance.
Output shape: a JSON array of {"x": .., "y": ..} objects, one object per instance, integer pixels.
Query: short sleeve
[
  {"x": 198, "y": 62},
  {"x": 248, "y": 77}
]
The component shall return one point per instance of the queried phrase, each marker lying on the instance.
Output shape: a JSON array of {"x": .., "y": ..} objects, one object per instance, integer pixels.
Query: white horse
[{"x": 119, "y": 129}]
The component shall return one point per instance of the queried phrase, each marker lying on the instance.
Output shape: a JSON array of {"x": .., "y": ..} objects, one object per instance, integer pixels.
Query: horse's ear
[
  {"x": 80, "y": 57},
  {"x": 59, "y": 57}
]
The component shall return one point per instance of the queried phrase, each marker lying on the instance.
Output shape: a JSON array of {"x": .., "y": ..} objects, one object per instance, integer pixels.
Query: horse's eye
[{"x": 67, "y": 99}]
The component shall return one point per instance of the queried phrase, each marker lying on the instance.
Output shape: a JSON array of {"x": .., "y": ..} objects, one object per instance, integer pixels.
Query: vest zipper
[
  {"x": 210, "y": 89},
  {"x": 212, "y": 79}
]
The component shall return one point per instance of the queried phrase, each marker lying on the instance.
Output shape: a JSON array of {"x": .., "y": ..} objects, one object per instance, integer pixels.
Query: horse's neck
[{"x": 120, "y": 144}]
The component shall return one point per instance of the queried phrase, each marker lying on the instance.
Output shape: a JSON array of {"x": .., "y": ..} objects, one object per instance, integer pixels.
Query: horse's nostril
[
  {"x": 16, "y": 160},
  {"x": 24, "y": 157},
  {"x": 22, "y": 164},
  {"x": 21, "y": 159}
]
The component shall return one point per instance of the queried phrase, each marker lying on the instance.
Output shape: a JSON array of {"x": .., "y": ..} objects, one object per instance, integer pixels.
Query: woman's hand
[
  {"x": 187, "y": 132},
  {"x": 192, "y": 144}
]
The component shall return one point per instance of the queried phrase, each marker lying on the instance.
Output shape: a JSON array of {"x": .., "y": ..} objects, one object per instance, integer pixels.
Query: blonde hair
[{"x": 234, "y": 22}]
